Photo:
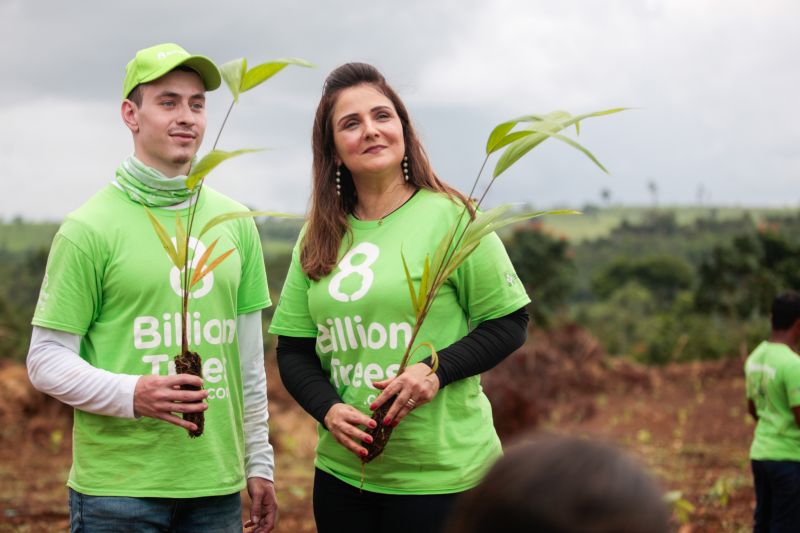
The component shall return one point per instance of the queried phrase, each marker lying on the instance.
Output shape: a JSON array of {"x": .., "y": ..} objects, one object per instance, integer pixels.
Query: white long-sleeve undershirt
[{"x": 56, "y": 369}]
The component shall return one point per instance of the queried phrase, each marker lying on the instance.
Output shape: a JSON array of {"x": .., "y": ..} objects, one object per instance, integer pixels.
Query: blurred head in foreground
[{"x": 552, "y": 484}]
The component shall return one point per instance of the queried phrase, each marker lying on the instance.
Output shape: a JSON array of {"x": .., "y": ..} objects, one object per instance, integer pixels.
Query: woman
[{"x": 345, "y": 318}]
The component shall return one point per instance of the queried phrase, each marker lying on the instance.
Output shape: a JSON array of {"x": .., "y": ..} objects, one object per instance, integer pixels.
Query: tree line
[{"x": 654, "y": 290}]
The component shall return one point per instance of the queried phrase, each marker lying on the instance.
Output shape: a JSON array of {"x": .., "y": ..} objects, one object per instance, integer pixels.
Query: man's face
[{"x": 169, "y": 126}]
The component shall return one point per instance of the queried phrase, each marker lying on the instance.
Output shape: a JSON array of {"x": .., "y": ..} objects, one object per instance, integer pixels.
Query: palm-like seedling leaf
[
  {"x": 164, "y": 238},
  {"x": 423, "y": 286},
  {"x": 550, "y": 123},
  {"x": 434, "y": 355},
  {"x": 210, "y": 162},
  {"x": 502, "y": 130},
  {"x": 410, "y": 281},
  {"x": 200, "y": 270},
  {"x": 219, "y": 219},
  {"x": 577, "y": 146},
  {"x": 201, "y": 263},
  {"x": 261, "y": 73},
  {"x": 486, "y": 223},
  {"x": 180, "y": 239},
  {"x": 541, "y": 128},
  {"x": 214, "y": 264},
  {"x": 239, "y": 79},
  {"x": 233, "y": 72}
]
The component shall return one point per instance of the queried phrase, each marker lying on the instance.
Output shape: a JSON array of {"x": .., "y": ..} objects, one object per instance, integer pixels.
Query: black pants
[
  {"x": 339, "y": 507},
  {"x": 777, "y": 485}
]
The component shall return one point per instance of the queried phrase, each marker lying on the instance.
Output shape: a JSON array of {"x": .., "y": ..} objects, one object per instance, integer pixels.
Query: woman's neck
[{"x": 377, "y": 198}]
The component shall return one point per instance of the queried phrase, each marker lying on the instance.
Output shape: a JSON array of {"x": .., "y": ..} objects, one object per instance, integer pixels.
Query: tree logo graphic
[{"x": 205, "y": 284}]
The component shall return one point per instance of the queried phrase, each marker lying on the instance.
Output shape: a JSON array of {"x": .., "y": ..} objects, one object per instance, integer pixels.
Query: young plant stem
[
  {"x": 224, "y": 121},
  {"x": 382, "y": 433},
  {"x": 189, "y": 225}
]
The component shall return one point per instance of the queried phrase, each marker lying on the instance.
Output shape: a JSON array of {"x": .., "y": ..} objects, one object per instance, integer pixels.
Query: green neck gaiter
[{"x": 150, "y": 187}]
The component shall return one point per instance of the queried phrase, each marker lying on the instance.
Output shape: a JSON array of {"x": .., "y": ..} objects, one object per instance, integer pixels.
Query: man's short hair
[
  {"x": 136, "y": 93},
  {"x": 785, "y": 310}
]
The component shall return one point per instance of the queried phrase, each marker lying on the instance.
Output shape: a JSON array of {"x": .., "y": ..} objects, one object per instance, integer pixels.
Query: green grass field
[
  {"x": 600, "y": 223},
  {"x": 20, "y": 236}
]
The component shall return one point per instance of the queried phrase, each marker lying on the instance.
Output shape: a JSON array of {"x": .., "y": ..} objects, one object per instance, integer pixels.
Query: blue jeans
[
  {"x": 777, "y": 485},
  {"x": 115, "y": 514}
]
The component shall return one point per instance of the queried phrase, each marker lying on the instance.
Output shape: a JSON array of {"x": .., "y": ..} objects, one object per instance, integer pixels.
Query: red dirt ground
[{"x": 686, "y": 423}]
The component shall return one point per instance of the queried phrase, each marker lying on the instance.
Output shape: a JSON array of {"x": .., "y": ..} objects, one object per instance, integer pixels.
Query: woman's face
[{"x": 367, "y": 133}]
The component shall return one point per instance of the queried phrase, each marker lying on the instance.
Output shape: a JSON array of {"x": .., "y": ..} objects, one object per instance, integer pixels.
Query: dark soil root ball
[
  {"x": 191, "y": 363},
  {"x": 381, "y": 434}
]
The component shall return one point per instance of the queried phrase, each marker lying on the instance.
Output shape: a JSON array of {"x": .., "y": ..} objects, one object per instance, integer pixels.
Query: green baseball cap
[{"x": 152, "y": 63}]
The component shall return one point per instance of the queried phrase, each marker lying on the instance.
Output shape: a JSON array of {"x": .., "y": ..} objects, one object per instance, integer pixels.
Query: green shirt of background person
[
  {"x": 773, "y": 391},
  {"x": 773, "y": 397}
]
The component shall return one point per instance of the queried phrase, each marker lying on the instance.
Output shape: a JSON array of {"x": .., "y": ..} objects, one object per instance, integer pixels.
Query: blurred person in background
[{"x": 772, "y": 373}]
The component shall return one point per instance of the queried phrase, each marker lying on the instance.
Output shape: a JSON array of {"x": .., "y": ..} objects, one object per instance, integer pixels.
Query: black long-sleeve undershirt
[{"x": 480, "y": 350}]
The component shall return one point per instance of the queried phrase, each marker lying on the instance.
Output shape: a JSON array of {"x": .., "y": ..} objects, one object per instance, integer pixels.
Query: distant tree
[
  {"x": 740, "y": 279},
  {"x": 663, "y": 275},
  {"x": 544, "y": 264},
  {"x": 700, "y": 194},
  {"x": 605, "y": 194},
  {"x": 652, "y": 186}
]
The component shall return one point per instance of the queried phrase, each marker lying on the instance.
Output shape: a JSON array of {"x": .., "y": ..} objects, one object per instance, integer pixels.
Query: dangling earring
[
  {"x": 338, "y": 181},
  {"x": 405, "y": 167}
]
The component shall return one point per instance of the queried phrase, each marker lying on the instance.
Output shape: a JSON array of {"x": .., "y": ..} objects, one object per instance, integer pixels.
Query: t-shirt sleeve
[
  {"x": 292, "y": 316},
  {"x": 487, "y": 284},
  {"x": 792, "y": 382},
  {"x": 71, "y": 294},
  {"x": 253, "y": 293}
]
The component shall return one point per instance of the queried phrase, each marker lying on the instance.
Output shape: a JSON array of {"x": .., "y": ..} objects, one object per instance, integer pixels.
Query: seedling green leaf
[
  {"x": 261, "y": 73},
  {"x": 410, "y": 281},
  {"x": 434, "y": 356},
  {"x": 501, "y": 131},
  {"x": 542, "y": 128},
  {"x": 210, "y": 161},
  {"x": 423, "y": 286},
  {"x": 240, "y": 80},
  {"x": 201, "y": 263},
  {"x": 180, "y": 239},
  {"x": 164, "y": 238},
  {"x": 214, "y": 264},
  {"x": 233, "y": 72}
]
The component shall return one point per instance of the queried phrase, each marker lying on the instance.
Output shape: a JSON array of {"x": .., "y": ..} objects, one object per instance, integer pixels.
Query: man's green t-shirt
[
  {"x": 110, "y": 280},
  {"x": 362, "y": 317},
  {"x": 773, "y": 383}
]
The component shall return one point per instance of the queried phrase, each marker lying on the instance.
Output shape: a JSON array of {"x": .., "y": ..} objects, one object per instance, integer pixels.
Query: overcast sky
[{"x": 714, "y": 83}]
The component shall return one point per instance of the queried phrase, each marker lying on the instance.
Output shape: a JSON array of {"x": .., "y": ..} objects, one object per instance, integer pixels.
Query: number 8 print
[{"x": 346, "y": 267}]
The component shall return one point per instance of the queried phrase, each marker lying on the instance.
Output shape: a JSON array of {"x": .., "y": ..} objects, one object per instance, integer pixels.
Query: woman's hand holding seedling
[
  {"x": 414, "y": 387},
  {"x": 343, "y": 421},
  {"x": 160, "y": 396}
]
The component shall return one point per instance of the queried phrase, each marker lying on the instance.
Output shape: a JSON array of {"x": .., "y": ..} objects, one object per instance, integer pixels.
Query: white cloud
[{"x": 714, "y": 80}]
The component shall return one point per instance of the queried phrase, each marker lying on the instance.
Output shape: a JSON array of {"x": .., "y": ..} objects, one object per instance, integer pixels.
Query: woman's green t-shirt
[{"x": 362, "y": 317}]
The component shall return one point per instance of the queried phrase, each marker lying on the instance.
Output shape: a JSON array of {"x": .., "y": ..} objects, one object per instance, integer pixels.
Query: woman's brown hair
[{"x": 327, "y": 220}]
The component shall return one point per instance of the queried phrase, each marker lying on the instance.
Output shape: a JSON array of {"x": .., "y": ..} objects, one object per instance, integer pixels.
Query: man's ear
[
  {"x": 130, "y": 115},
  {"x": 795, "y": 331}
]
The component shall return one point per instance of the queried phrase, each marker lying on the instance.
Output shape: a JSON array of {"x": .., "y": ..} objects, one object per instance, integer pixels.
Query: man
[
  {"x": 773, "y": 394},
  {"x": 108, "y": 320}
]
